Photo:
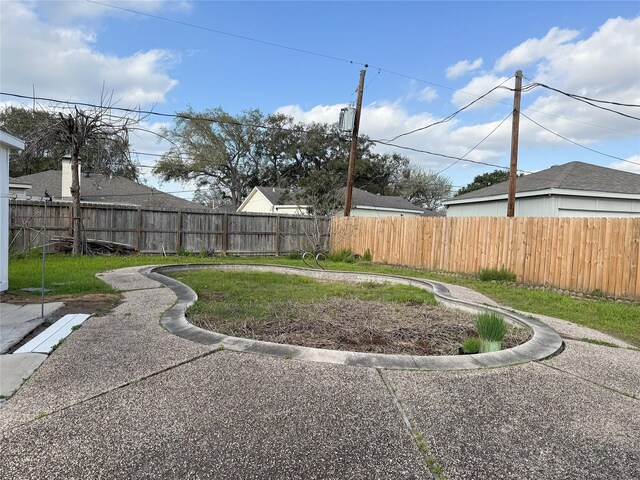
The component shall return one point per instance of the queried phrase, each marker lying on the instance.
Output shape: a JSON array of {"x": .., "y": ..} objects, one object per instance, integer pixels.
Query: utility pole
[
  {"x": 354, "y": 146},
  {"x": 515, "y": 126}
]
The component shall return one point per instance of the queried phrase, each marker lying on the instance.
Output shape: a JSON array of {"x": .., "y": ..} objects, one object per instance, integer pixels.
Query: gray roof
[
  {"x": 570, "y": 176},
  {"x": 360, "y": 198},
  {"x": 15, "y": 181},
  {"x": 105, "y": 189}
]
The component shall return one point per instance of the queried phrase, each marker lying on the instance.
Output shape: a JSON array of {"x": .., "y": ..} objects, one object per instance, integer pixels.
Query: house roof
[
  {"x": 103, "y": 188},
  {"x": 569, "y": 176},
  {"x": 18, "y": 183},
  {"x": 360, "y": 198}
]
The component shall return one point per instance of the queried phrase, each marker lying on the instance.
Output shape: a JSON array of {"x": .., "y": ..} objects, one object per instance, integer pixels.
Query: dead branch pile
[{"x": 94, "y": 246}]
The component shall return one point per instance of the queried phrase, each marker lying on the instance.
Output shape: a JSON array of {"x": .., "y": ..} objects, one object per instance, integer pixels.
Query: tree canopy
[
  {"x": 485, "y": 180},
  {"x": 227, "y": 155}
]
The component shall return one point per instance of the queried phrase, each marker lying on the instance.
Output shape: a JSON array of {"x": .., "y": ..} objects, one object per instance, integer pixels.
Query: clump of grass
[
  {"x": 345, "y": 256},
  {"x": 367, "y": 256},
  {"x": 294, "y": 256},
  {"x": 491, "y": 327},
  {"x": 471, "y": 345},
  {"x": 502, "y": 275}
]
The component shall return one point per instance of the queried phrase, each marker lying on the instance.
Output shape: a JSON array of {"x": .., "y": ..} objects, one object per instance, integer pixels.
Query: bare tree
[{"x": 76, "y": 129}]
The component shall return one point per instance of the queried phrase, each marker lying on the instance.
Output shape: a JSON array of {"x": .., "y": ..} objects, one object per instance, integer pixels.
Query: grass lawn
[{"x": 77, "y": 276}]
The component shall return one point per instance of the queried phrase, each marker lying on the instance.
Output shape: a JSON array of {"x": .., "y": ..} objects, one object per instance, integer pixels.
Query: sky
[{"x": 425, "y": 61}]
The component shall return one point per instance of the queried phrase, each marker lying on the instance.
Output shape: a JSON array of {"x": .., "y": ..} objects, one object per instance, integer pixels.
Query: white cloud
[
  {"x": 61, "y": 62},
  {"x": 463, "y": 67},
  {"x": 427, "y": 94},
  {"x": 626, "y": 166},
  {"x": 479, "y": 86},
  {"x": 533, "y": 49}
]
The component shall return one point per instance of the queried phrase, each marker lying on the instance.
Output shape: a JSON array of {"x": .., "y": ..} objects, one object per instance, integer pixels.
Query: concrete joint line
[
  {"x": 415, "y": 434},
  {"x": 544, "y": 342},
  {"x": 579, "y": 377},
  {"x": 117, "y": 387}
]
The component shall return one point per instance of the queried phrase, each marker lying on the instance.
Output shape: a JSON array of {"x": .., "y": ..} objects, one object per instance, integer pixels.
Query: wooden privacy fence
[
  {"x": 158, "y": 231},
  {"x": 583, "y": 254}
]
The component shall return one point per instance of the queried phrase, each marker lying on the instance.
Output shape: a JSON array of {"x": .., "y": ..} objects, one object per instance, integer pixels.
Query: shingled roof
[
  {"x": 106, "y": 189},
  {"x": 570, "y": 176},
  {"x": 360, "y": 198}
]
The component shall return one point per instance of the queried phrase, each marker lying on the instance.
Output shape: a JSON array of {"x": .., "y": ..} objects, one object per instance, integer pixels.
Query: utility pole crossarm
[
  {"x": 513, "y": 166},
  {"x": 354, "y": 146}
]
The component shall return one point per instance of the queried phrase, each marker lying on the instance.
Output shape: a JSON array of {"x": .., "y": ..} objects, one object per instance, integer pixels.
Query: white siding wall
[
  {"x": 258, "y": 203},
  {"x": 551, "y": 206},
  {"x": 4, "y": 218}
]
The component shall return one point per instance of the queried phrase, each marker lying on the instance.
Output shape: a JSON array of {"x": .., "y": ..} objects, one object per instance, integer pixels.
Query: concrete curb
[{"x": 544, "y": 343}]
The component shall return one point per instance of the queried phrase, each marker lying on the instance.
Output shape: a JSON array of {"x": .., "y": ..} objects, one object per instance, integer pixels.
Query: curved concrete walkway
[{"x": 123, "y": 398}]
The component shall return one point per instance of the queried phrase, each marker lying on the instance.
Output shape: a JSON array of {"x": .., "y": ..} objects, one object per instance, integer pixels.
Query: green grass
[
  {"x": 239, "y": 295},
  {"x": 471, "y": 345},
  {"x": 502, "y": 275},
  {"x": 491, "y": 327},
  {"x": 621, "y": 320}
]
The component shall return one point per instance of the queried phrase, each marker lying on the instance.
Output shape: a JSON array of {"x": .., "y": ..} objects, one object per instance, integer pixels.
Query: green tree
[
  {"x": 424, "y": 188},
  {"x": 485, "y": 180},
  {"x": 215, "y": 149}
]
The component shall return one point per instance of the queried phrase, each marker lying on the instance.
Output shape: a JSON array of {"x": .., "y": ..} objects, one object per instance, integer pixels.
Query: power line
[
  {"x": 477, "y": 144},
  {"x": 452, "y": 115},
  {"x": 382, "y": 142},
  {"x": 590, "y": 101},
  {"x": 576, "y": 143}
]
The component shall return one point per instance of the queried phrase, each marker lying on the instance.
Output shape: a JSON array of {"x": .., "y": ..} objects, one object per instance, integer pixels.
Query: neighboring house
[
  {"x": 575, "y": 189},
  {"x": 18, "y": 189},
  {"x": 363, "y": 204},
  {"x": 98, "y": 188},
  {"x": 7, "y": 142}
]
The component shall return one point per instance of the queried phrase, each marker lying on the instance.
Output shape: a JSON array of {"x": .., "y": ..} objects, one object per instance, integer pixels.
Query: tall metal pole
[
  {"x": 515, "y": 126},
  {"x": 354, "y": 146}
]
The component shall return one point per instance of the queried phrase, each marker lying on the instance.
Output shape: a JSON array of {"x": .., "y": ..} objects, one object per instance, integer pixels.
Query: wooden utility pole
[
  {"x": 354, "y": 146},
  {"x": 515, "y": 126}
]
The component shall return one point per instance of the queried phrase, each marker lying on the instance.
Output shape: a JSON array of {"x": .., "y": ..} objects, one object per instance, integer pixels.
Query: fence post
[
  {"x": 139, "y": 229},
  {"x": 225, "y": 233},
  {"x": 179, "y": 230},
  {"x": 277, "y": 235}
]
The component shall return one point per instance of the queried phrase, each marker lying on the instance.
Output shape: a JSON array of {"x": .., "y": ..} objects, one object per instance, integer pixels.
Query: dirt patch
[{"x": 361, "y": 326}]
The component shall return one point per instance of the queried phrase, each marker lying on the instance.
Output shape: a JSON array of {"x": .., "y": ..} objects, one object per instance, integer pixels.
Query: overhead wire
[
  {"x": 578, "y": 144},
  {"x": 452, "y": 115},
  {"x": 477, "y": 144}
]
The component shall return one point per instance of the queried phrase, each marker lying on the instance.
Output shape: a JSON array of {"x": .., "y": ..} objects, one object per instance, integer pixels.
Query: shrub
[
  {"x": 502, "y": 275},
  {"x": 491, "y": 327},
  {"x": 471, "y": 345},
  {"x": 367, "y": 256}
]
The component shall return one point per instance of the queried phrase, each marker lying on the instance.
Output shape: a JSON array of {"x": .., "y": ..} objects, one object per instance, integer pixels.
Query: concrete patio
[{"x": 123, "y": 398}]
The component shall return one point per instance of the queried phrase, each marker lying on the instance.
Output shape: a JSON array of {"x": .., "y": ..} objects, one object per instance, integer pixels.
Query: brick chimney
[{"x": 66, "y": 176}]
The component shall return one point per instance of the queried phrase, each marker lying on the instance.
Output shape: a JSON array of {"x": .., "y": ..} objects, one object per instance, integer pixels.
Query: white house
[
  {"x": 363, "y": 204},
  {"x": 575, "y": 189},
  {"x": 7, "y": 142}
]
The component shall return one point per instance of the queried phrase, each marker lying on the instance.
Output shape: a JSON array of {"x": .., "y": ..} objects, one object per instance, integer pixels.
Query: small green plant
[
  {"x": 181, "y": 252},
  {"x": 471, "y": 345},
  {"x": 597, "y": 293},
  {"x": 57, "y": 345},
  {"x": 220, "y": 348},
  {"x": 294, "y": 256},
  {"x": 76, "y": 327},
  {"x": 600, "y": 342},
  {"x": 288, "y": 357},
  {"x": 367, "y": 256},
  {"x": 502, "y": 275},
  {"x": 41, "y": 414},
  {"x": 491, "y": 326}
]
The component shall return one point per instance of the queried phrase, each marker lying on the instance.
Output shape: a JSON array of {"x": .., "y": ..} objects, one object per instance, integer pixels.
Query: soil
[{"x": 360, "y": 326}]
